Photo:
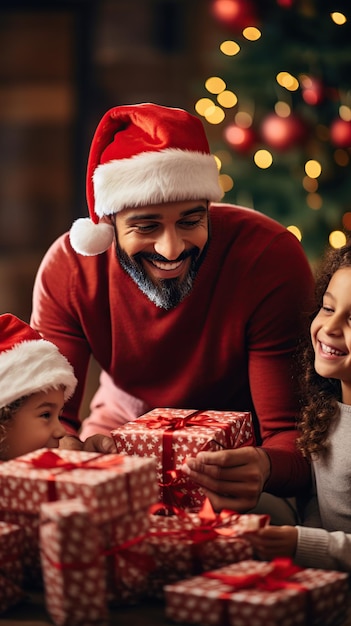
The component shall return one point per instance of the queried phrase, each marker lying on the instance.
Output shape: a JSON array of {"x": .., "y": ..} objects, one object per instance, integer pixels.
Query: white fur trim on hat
[
  {"x": 155, "y": 177},
  {"x": 90, "y": 239},
  {"x": 33, "y": 366}
]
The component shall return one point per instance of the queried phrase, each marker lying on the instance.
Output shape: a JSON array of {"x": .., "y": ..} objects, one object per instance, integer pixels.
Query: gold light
[
  {"x": 295, "y": 231},
  {"x": 215, "y": 84},
  {"x": 230, "y": 48},
  {"x": 337, "y": 239},
  {"x": 263, "y": 159}
]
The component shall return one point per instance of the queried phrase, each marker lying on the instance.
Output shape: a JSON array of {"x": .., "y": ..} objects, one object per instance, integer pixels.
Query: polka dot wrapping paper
[
  {"x": 309, "y": 597},
  {"x": 11, "y": 571},
  {"x": 187, "y": 544}
]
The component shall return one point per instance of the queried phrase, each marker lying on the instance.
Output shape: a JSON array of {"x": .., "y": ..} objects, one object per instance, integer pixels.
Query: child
[
  {"x": 35, "y": 381},
  {"x": 324, "y": 540}
]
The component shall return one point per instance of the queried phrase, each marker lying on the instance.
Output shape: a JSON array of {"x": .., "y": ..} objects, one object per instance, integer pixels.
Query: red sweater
[{"x": 227, "y": 346}]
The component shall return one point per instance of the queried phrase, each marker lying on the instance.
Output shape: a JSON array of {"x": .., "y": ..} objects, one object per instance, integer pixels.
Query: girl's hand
[{"x": 274, "y": 541}]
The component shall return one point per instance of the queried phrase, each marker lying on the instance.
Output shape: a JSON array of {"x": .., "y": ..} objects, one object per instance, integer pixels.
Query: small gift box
[
  {"x": 73, "y": 564},
  {"x": 11, "y": 572},
  {"x": 273, "y": 593},
  {"x": 128, "y": 557},
  {"x": 171, "y": 435},
  {"x": 185, "y": 544}
]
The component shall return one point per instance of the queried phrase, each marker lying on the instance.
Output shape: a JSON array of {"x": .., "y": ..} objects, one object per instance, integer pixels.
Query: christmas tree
[{"x": 277, "y": 111}]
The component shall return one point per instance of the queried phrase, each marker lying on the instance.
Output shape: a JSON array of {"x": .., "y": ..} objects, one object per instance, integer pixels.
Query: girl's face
[
  {"x": 35, "y": 425},
  {"x": 331, "y": 332}
]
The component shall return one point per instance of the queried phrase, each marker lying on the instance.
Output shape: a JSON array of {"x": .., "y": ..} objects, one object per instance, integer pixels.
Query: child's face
[
  {"x": 35, "y": 425},
  {"x": 331, "y": 332}
]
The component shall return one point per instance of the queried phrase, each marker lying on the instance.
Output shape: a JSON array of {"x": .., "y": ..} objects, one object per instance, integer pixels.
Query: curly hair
[
  {"x": 319, "y": 395},
  {"x": 6, "y": 414}
]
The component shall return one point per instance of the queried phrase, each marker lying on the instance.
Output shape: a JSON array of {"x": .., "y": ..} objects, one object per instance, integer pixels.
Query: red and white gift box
[
  {"x": 109, "y": 485},
  {"x": 128, "y": 557},
  {"x": 11, "y": 572},
  {"x": 73, "y": 564},
  {"x": 186, "y": 544},
  {"x": 171, "y": 435},
  {"x": 273, "y": 593}
]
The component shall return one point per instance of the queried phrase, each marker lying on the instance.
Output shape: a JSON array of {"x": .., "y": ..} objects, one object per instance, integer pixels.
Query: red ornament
[
  {"x": 340, "y": 133},
  {"x": 286, "y": 4},
  {"x": 282, "y": 133},
  {"x": 241, "y": 139},
  {"x": 312, "y": 90},
  {"x": 234, "y": 14}
]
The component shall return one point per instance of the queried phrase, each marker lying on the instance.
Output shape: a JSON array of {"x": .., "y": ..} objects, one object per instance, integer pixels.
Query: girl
[
  {"x": 35, "y": 381},
  {"x": 324, "y": 539}
]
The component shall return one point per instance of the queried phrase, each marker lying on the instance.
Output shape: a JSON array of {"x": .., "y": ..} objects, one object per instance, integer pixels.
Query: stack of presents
[{"x": 97, "y": 531}]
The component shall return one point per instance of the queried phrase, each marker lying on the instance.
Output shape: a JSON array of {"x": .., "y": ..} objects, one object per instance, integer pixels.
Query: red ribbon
[
  {"x": 278, "y": 577},
  {"x": 211, "y": 527},
  {"x": 51, "y": 460},
  {"x": 169, "y": 424}
]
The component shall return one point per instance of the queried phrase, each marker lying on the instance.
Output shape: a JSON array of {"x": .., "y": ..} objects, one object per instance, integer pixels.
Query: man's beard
[{"x": 165, "y": 293}]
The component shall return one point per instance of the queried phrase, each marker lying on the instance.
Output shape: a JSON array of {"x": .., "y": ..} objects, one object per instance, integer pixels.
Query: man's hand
[
  {"x": 232, "y": 479},
  {"x": 95, "y": 443},
  {"x": 274, "y": 541}
]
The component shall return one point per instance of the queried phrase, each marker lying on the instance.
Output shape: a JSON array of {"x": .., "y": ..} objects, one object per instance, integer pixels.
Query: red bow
[
  {"x": 278, "y": 576},
  {"x": 51, "y": 460}
]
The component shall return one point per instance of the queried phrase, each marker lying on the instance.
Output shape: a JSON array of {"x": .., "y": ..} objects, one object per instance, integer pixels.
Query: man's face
[{"x": 161, "y": 247}]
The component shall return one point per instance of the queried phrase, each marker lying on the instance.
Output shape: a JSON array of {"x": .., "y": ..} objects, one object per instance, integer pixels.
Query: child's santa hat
[
  {"x": 143, "y": 154},
  {"x": 29, "y": 363}
]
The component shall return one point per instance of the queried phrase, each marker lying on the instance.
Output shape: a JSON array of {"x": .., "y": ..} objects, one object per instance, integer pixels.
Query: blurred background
[{"x": 271, "y": 80}]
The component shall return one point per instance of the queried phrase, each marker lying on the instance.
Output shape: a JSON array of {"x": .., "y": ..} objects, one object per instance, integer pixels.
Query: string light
[
  {"x": 227, "y": 99},
  {"x": 230, "y": 48},
  {"x": 337, "y": 238},
  {"x": 295, "y": 231},
  {"x": 288, "y": 81},
  {"x": 203, "y": 105},
  {"x": 263, "y": 159},
  {"x": 313, "y": 168},
  {"x": 314, "y": 201},
  {"x": 338, "y": 18},
  {"x": 214, "y": 115},
  {"x": 252, "y": 33},
  {"x": 226, "y": 182},
  {"x": 215, "y": 84},
  {"x": 309, "y": 184}
]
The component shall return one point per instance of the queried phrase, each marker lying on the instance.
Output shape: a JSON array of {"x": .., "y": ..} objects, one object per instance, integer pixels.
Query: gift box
[
  {"x": 11, "y": 572},
  {"x": 73, "y": 564},
  {"x": 171, "y": 435},
  {"x": 31, "y": 566},
  {"x": 273, "y": 593},
  {"x": 128, "y": 558},
  {"x": 186, "y": 544},
  {"x": 109, "y": 485}
]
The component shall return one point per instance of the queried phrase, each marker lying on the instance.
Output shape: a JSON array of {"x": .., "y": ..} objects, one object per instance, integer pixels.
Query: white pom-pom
[{"x": 90, "y": 239}]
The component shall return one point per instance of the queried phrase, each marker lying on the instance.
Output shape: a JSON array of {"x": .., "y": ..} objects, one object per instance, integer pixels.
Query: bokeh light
[
  {"x": 263, "y": 159},
  {"x": 295, "y": 231},
  {"x": 337, "y": 238}
]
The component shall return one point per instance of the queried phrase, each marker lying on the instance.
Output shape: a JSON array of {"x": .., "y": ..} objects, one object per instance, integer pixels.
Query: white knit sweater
[{"x": 324, "y": 541}]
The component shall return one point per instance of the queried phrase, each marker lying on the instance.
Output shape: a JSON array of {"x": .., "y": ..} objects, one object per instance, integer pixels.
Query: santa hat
[
  {"x": 143, "y": 154},
  {"x": 28, "y": 363}
]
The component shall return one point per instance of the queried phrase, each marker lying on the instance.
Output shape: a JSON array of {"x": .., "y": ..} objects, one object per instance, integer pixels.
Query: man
[{"x": 183, "y": 302}]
